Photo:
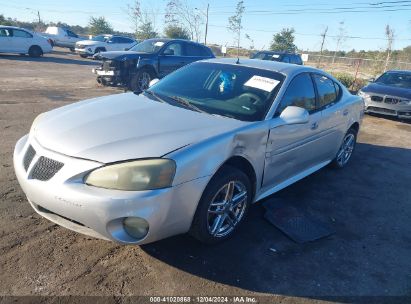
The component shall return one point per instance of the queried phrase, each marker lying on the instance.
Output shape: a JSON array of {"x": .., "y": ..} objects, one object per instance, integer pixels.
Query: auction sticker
[{"x": 262, "y": 83}]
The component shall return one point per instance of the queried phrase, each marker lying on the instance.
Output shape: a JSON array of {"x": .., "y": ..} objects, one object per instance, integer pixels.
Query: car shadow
[
  {"x": 364, "y": 203},
  {"x": 50, "y": 59}
]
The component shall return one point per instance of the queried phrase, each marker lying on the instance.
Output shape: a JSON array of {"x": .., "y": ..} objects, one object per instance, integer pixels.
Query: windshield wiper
[
  {"x": 155, "y": 96},
  {"x": 186, "y": 103}
]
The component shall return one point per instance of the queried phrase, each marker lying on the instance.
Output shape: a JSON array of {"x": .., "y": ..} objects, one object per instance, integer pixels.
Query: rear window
[
  {"x": 327, "y": 93},
  {"x": 196, "y": 50}
]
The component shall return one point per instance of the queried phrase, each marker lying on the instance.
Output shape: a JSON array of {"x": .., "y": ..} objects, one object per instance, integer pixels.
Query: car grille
[
  {"x": 108, "y": 65},
  {"x": 391, "y": 100},
  {"x": 28, "y": 157},
  {"x": 377, "y": 98},
  {"x": 45, "y": 168}
]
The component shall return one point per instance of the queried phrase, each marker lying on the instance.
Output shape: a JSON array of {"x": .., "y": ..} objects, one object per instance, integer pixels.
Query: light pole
[{"x": 206, "y": 26}]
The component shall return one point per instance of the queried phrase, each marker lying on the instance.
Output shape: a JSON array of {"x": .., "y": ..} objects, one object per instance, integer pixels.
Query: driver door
[
  {"x": 293, "y": 149},
  {"x": 170, "y": 59}
]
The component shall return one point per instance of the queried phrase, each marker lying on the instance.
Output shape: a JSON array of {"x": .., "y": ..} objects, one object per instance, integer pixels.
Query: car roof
[
  {"x": 13, "y": 27},
  {"x": 399, "y": 71},
  {"x": 171, "y": 39},
  {"x": 276, "y": 53},
  {"x": 275, "y": 66}
]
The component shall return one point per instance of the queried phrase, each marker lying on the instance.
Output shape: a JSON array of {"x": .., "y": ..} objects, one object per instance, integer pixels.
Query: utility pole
[
  {"x": 389, "y": 32},
  {"x": 206, "y": 29},
  {"x": 324, "y": 34},
  {"x": 38, "y": 15}
]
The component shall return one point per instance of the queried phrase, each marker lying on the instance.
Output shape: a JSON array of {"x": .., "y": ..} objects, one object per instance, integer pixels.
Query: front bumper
[
  {"x": 85, "y": 51},
  {"x": 67, "y": 201},
  {"x": 399, "y": 110}
]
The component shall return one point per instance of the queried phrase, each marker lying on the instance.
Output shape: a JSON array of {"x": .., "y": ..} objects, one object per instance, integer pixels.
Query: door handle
[
  {"x": 314, "y": 125},
  {"x": 345, "y": 112}
]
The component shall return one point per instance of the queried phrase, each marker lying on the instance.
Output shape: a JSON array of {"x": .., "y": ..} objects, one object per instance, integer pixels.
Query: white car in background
[
  {"x": 21, "y": 41},
  {"x": 62, "y": 37},
  {"x": 103, "y": 43}
]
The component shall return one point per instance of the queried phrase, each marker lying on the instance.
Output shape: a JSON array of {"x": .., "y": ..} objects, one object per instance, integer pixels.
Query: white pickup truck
[{"x": 62, "y": 37}]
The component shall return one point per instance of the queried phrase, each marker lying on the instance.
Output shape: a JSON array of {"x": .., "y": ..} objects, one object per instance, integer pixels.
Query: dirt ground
[{"x": 368, "y": 204}]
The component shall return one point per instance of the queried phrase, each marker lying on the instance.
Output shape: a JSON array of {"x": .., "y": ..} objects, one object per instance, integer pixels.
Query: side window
[
  {"x": 5, "y": 32},
  {"x": 295, "y": 59},
  {"x": 123, "y": 40},
  {"x": 286, "y": 59},
  {"x": 195, "y": 50},
  {"x": 174, "y": 49},
  {"x": 300, "y": 93},
  {"x": 114, "y": 40},
  {"x": 326, "y": 90},
  {"x": 71, "y": 34},
  {"x": 21, "y": 34}
]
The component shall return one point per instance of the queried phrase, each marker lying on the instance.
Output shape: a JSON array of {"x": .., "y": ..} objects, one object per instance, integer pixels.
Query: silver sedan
[{"x": 190, "y": 154}]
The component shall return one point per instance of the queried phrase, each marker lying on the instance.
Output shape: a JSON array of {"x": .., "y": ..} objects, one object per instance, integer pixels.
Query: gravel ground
[{"x": 368, "y": 204}]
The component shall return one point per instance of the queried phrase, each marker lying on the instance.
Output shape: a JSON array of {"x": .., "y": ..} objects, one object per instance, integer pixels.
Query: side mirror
[
  {"x": 153, "y": 82},
  {"x": 168, "y": 52},
  {"x": 372, "y": 79},
  {"x": 294, "y": 115}
]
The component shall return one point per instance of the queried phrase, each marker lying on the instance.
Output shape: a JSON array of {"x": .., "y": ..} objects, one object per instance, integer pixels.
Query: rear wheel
[
  {"x": 83, "y": 56},
  {"x": 347, "y": 148},
  {"x": 223, "y": 206},
  {"x": 140, "y": 81},
  {"x": 35, "y": 51}
]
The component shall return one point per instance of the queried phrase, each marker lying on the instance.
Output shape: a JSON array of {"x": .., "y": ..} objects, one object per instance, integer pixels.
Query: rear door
[
  {"x": 334, "y": 114},
  {"x": 5, "y": 40},
  {"x": 292, "y": 149},
  {"x": 171, "y": 58},
  {"x": 21, "y": 41}
]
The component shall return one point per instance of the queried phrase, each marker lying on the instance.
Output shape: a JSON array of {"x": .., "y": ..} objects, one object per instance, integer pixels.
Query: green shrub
[{"x": 346, "y": 79}]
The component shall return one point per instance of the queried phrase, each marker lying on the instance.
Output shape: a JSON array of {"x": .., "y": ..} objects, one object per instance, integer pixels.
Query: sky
[{"x": 363, "y": 21}]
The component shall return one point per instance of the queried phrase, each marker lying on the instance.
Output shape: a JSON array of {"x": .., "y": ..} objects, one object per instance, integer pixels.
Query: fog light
[{"x": 136, "y": 227}]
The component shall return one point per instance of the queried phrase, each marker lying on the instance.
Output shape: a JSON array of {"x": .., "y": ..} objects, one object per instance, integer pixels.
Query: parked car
[
  {"x": 190, "y": 154},
  {"x": 278, "y": 56},
  {"x": 389, "y": 94},
  {"x": 22, "y": 41},
  {"x": 62, "y": 37},
  {"x": 103, "y": 43},
  {"x": 153, "y": 58}
]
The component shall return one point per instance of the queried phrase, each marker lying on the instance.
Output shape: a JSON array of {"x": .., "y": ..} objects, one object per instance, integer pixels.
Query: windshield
[
  {"x": 100, "y": 38},
  {"x": 235, "y": 91},
  {"x": 395, "y": 79},
  {"x": 148, "y": 46}
]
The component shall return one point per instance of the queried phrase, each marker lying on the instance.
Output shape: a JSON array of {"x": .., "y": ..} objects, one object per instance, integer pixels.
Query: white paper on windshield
[
  {"x": 159, "y": 43},
  {"x": 262, "y": 83},
  {"x": 276, "y": 56}
]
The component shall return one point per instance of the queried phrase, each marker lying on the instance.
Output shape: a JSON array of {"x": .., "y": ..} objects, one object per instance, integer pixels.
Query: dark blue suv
[{"x": 152, "y": 58}]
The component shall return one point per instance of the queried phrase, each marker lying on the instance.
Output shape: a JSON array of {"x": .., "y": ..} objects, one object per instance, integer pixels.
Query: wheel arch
[
  {"x": 355, "y": 126},
  {"x": 243, "y": 164}
]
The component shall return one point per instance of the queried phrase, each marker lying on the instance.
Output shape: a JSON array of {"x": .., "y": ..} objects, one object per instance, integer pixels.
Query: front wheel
[
  {"x": 347, "y": 148},
  {"x": 223, "y": 206},
  {"x": 140, "y": 81}
]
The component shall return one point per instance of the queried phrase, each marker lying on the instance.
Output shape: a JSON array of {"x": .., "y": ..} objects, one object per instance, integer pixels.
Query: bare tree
[
  {"x": 251, "y": 41},
  {"x": 235, "y": 23},
  {"x": 180, "y": 13},
  {"x": 143, "y": 21},
  {"x": 341, "y": 37},
  {"x": 389, "y": 33}
]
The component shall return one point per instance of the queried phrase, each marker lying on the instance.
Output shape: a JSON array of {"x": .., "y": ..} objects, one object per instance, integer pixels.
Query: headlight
[
  {"x": 362, "y": 94},
  {"x": 136, "y": 175}
]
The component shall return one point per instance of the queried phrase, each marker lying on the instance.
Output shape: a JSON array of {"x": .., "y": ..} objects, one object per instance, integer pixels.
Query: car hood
[
  {"x": 125, "y": 126},
  {"x": 122, "y": 55},
  {"x": 387, "y": 90},
  {"x": 89, "y": 42}
]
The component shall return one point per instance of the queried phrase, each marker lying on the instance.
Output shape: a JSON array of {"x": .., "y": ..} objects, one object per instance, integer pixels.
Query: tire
[
  {"x": 99, "y": 49},
  {"x": 346, "y": 149},
  {"x": 35, "y": 51},
  {"x": 72, "y": 50},
  {"x": 140, "y": 81},
  {"x": 83, "y": 55},
  {"x": 214, "y": 222}
]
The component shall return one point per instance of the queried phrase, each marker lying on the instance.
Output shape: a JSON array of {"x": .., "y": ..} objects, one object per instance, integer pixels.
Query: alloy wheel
[
  {"x": 346, "y": 149},
  {"x": 227, "y": 208},
  {"x": 144, "y": 81}
]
